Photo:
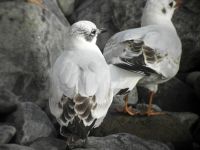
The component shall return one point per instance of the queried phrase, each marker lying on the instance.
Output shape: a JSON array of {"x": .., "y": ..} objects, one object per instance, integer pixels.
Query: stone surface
[
  {"x": 14, "y": 147},
  {"x": 193, "y": 79},
  {"x": 127, "y": 13},
  {"x": 167, "y": 128},
  {"x": 31, "y": 39},
  {"x": 186, "y": 118},
  {"x": 196, "y": 132},
  {"x": 174, "y": 95},
  {"x": 67, "y": 6},
  {"x": 6, "y": 133},
  {"x": 187, "y": 24},
  {"x": 122, "y": 141},
  {"x": 53, "y": 6},
  {"x": 8, "y": 101},
  {"x": 100, "y": 13},
  {"x": 31, "y": 123},
  {"x": 49, "y": 144}
]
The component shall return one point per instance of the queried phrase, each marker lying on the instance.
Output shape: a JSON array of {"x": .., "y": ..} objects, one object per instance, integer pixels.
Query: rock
[
  {"x": 67, "y": 6},
  {"x": 127, "y": 13},
  {"x": 49, "y": 144},
  {"x": 14, "y": 147},
  {"x": 173, "y": 95},
  {"x": 166, "y": 128},
  {"x": 186, "y": 118},
  {"x": 31, "y": 40},
  {"x": 187, "y": 20},
  {"x": 193, "y": 79},
  {"x": 53, "y": 6},
  {"x": 123, "y": 141},
  {"x": 100, "y": 13},
  {"x": 8, "y": 101},
  {"x": 196, "y": 132},
  {"x": 6, "y": 133},
  {"x": 31, "y": 123}
]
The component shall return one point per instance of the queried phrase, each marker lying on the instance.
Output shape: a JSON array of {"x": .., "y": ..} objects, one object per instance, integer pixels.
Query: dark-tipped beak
[
  {"x": 102, "y": 30},
  {"x": 178, "y": 3}
]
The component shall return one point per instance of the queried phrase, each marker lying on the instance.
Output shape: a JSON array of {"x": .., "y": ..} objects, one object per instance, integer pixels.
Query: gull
[
  {"x": 81, "y": 90},
  {"x": 145, "y": 56}
]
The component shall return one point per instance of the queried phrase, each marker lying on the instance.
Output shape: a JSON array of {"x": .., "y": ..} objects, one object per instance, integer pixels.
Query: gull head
[
  {"x": 164, "y": 8},
  {"x": 85, "y": 30}
]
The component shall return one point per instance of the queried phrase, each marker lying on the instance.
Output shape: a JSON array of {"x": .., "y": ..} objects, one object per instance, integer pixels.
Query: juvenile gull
[
  {"x": 145, "y": 56},
  {"x": 80, "y": 84}
]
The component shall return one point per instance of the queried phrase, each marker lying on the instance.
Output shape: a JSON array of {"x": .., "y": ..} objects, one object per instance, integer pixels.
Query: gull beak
[
  {"x": 178, "y": 3},
  {"x": 101, "y": 30}
]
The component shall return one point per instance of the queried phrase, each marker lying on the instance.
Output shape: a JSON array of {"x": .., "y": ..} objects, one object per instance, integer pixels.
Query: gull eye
[
  {"x": 171, "y": 4},
  {"x": 93, "y": 32}
]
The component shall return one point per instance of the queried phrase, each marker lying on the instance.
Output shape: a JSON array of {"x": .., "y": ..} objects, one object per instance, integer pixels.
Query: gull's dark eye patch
[
  {"x": 164, "y": 11},
  {"x": 171, "y": 4},
  {"x": 93, "y": 32}
]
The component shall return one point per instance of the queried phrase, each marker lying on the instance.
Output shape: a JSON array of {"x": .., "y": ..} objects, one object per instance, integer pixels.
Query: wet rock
[
  {"x": 123, "y": 141},
  {"x": 100, "y": 13},
  {"x": 6, "y": 133},
  {"x": 67, "y": 6},
  {"x": 8, "y": 101},
  {"x": 49, "y": 144},
  {"x": 174, "y": 95},
  {"x": 14, "y": 147},
  {"x": 31, "y": 123},
  {"x": 31, "y": 39},
  {"x": 166, "y": 128}
]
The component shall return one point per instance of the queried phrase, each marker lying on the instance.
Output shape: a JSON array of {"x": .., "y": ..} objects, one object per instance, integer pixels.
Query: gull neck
[{"x": 155, "y": 19}]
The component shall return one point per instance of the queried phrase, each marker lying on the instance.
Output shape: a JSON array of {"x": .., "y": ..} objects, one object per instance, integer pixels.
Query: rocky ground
[{"x": 32, "y": 38}]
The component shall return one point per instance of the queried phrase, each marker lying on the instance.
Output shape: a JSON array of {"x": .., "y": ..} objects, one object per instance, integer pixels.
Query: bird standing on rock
[
  {"x": 145, "y": 56},
  {"x": 80, "y": 85}
]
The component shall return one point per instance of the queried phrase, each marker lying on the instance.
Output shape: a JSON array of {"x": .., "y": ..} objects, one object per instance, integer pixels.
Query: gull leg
[
  {"x": 150, "y": 111},
  {"x": 128, "y": 109}
]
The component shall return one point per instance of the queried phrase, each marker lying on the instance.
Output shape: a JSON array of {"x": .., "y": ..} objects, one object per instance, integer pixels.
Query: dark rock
[
  {"x": 8, "y": 101},
  {"x": 67, "y": 6},
  {"x": 187, "y": 20},
  {"x": 6, "y": 133},
  {"x": 31, "y": 39},
  {"x": 166, "y": 128},
  {"x": 193, "y": 79},
  {"x": 127, "y": 13},
  {"x": 196, "y": 132},
  {"x": 100, "y": 13},
  {"x": 123, "y": 141},
  {"x": 31, "y": 123},
  {"x": 49, "y": 144},
  {"x": 186, "y": 118},
  {"x": 173, "y": 95},
  {"x": 14, "y": 147}
]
